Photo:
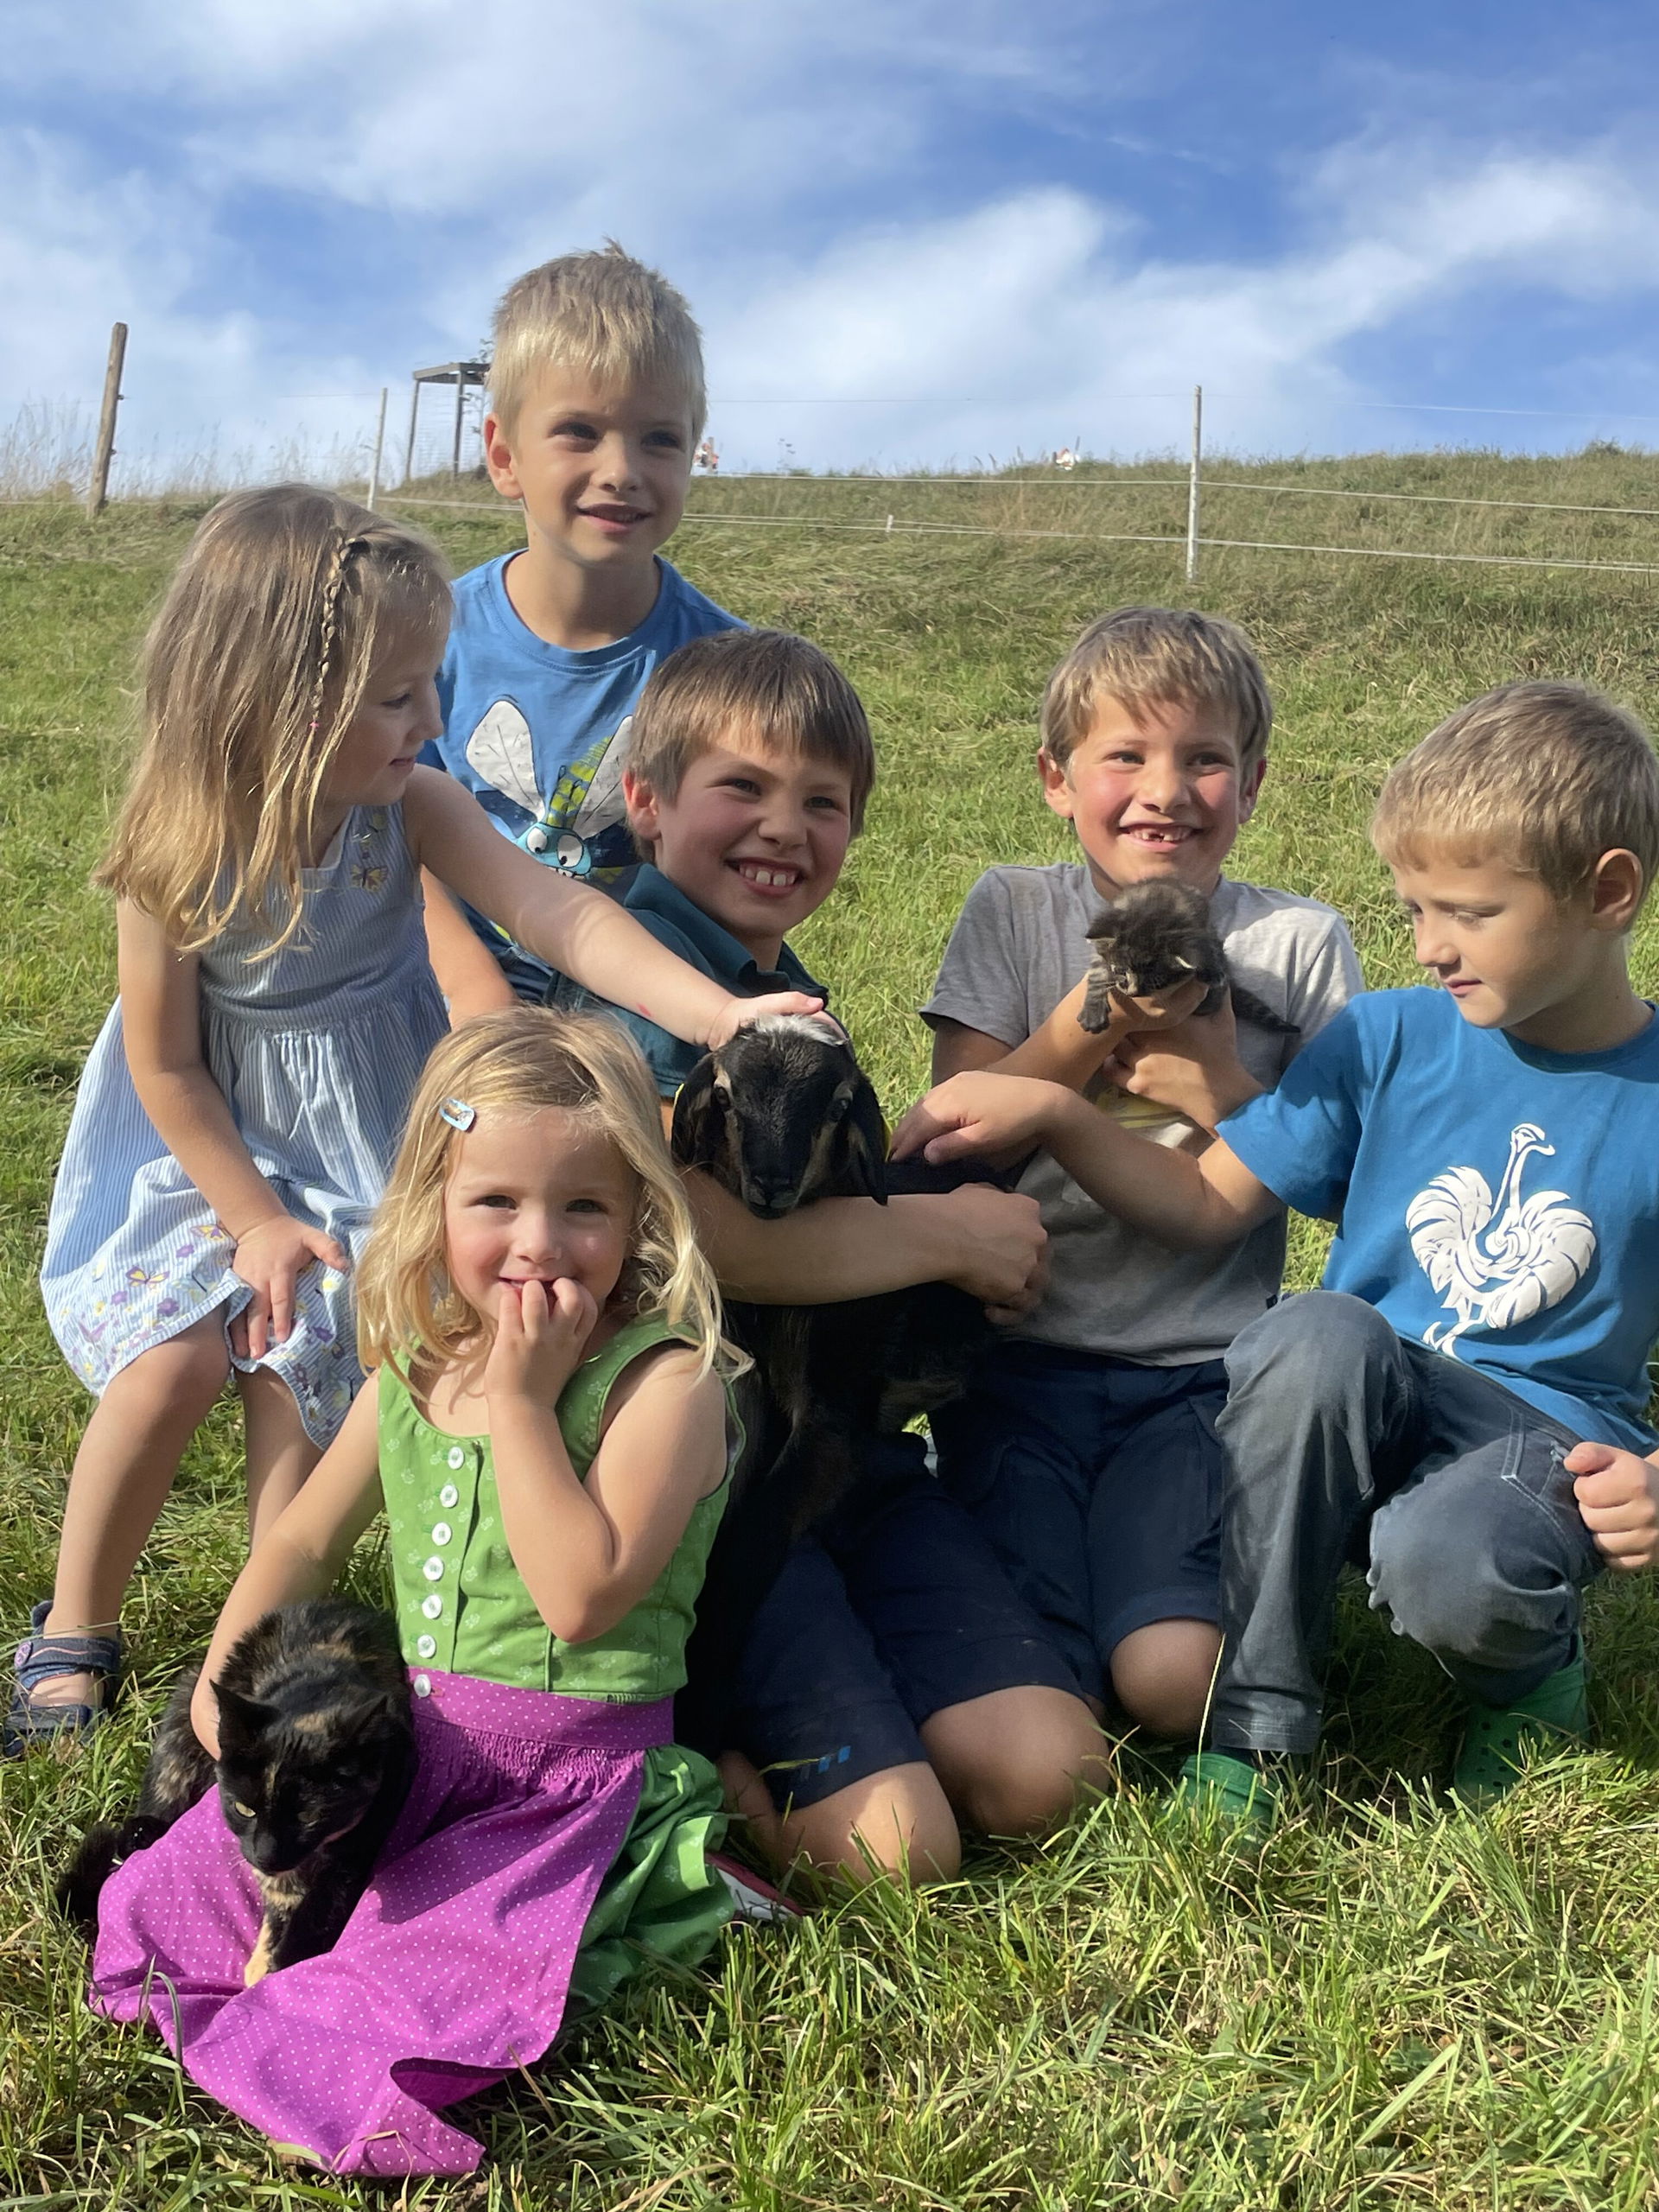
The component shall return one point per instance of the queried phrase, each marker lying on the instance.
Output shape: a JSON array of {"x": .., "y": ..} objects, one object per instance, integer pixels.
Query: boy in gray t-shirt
[{"x": 1087, "y": 1448}]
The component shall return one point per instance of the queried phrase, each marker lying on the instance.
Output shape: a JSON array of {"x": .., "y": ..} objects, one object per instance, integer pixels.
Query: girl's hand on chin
[{"x": 539, "y": 1340}]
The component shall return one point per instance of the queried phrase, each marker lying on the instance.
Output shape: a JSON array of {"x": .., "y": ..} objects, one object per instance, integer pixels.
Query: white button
[
  {"x": 432, "y": 1570},
  {"x": 425, "y": 1646},
  {"x": 457, "y": 1457},
  {"x": 423, "y": 1686},
  {"x": 442, "y": 1532},
  {"x": 448, "y": 1496},
  {"x": 432, "y": 1606}
]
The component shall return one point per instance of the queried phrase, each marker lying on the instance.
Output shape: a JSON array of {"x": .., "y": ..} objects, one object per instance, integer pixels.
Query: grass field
[{"x": 1395, "y": 2008}]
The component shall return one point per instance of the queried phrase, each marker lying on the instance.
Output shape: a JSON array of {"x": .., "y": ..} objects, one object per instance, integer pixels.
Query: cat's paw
[
  {"x": 1097, "y": 1011},
  {"x": 260, "y": 1965}
]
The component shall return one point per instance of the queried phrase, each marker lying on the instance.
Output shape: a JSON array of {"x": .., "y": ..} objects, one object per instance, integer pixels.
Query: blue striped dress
[{"x": 316, "y": 1049}]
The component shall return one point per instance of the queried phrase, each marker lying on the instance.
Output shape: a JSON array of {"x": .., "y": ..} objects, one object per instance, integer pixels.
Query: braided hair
[{"x": 254, "y": 669}]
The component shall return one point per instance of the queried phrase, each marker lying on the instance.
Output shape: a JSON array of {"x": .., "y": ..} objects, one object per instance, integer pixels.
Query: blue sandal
[{"x": 31, "y": 1721}]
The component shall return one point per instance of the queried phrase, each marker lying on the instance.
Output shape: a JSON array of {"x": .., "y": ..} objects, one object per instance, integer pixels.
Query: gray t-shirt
[{"x": 1020, "y": 945}]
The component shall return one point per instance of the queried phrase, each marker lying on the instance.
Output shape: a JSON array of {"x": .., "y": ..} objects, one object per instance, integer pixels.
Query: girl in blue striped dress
[{"x": 241, "y": 1107}]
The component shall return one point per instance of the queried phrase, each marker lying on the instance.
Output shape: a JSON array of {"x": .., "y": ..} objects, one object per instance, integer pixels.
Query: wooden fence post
[
  {"x": 98, "y": 490},
  {"x": 1192, "y": 485}
]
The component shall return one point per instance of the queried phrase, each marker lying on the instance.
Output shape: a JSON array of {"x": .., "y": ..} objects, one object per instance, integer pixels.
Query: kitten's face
[
  {"x": 1153, "y": 939},
  {"x": 1143, "y": 970},
  {"x": 290, "y": 1785}
]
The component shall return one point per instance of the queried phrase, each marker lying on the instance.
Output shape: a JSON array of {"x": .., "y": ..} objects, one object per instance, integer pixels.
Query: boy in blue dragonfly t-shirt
[
  {"x": 1468, "y": 1388},
  {"x": 597, "y": 403}
]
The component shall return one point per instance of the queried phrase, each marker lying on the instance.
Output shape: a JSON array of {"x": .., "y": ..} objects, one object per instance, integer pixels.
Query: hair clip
[{"x": 459, "y": 1115}]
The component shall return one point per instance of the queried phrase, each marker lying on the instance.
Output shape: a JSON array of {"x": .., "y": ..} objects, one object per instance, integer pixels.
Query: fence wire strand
[{"x": 894, "y": 527}]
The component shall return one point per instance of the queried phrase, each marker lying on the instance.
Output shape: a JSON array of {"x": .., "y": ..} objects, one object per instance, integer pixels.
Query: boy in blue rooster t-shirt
[{"x": 1467, "y": 1391}]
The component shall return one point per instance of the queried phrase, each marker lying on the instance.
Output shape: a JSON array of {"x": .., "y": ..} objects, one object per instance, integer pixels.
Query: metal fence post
[
  {"x": 1192, "y": 485},
  {"x": 413, "y": 411},
  {"x": 379, "y": 443}
]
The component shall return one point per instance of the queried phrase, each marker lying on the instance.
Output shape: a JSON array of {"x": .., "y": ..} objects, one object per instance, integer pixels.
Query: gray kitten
[{"x": 1154, "y": 937}]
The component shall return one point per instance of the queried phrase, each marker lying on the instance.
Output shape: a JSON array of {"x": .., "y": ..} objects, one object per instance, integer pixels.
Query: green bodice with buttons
[{"x": 462, "y": 1605}]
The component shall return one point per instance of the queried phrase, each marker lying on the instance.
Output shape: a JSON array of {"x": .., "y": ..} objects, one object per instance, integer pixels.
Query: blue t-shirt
[
  {"x": 1494, "y": 1201},
  {"x": 537, "y": 733},
  {"x": 663, "y": 909}
]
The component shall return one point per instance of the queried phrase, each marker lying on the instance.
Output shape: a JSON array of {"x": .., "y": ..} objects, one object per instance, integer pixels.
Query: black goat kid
[{"x": 781, "y": 1116}]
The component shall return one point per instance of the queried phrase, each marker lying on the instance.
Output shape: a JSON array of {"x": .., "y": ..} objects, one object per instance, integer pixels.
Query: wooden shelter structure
[{"x": 465, "y": 376}]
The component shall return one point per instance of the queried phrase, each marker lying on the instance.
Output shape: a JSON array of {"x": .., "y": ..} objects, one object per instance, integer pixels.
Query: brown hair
[
  {"x": 767, "y": 683},
  {"x": 1143, "y": 657},
  {"x": 523, "y": 1058},
  {"x": 603, "y": 313},
  {"x": 1547, "y": 777},
  {"x": 283, "y": 605}
]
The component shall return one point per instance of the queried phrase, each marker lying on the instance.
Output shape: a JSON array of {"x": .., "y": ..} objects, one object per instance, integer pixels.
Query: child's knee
[
  {"x": 1302, "y": 1340},
  {"x": 897, "y": 1824},
  {"x": 1162, "y": 1675},
  {"x": 188, "y": 1370},
  {"x": 1011, "y": 1762},
  {"x": 1466, "y": 1558}
]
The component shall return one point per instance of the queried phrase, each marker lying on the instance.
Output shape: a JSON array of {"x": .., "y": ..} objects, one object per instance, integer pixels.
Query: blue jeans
[{"x": 1477, "y": 1548}]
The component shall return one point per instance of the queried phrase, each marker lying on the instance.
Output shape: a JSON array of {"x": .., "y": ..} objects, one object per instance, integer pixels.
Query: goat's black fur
[
  {"x": 1154, "y": 937},
  {"x": 781, "y": 1116}
]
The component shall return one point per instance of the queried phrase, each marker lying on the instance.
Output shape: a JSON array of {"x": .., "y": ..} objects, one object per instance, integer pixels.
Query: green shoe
[
  {"x": 1497, "y": 1736},
  {"x": 1212, "y": 1785}
]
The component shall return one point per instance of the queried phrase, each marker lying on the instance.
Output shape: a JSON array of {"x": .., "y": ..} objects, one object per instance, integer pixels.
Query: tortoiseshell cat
[
  {"x": 316, "y": 1754},
  {"x": 1154, "y": 937}
]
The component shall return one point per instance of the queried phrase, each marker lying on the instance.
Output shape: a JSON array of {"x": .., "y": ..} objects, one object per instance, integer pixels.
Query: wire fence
[
  {"x": 1449, "y": 518},
  {"x": 1192, "y": 545}
]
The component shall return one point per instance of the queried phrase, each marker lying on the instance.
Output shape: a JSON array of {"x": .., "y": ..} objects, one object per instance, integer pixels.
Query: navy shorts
[
  {"x": 1099, "y": 1482},
  {"x": 899, "y": 1609}
]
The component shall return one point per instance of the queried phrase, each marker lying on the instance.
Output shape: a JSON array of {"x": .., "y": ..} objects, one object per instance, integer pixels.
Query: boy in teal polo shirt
[
  {"x": 701, "y": 941},
  {"x": 894, "y": 1686}
]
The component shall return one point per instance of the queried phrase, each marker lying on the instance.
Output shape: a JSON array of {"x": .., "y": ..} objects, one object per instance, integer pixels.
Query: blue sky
[{"x": 914, "y": 230}]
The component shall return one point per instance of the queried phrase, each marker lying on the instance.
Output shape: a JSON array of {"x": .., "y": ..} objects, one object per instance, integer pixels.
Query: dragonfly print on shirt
[
  {"x": 1498, "y": 1261},
  {"x": 579, "y": 826}
]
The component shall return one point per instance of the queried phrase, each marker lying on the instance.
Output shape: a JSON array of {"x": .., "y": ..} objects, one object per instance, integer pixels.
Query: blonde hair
[
  {"x": 1143, "y": 657},
  {"x": 767, "y": 684},
  {"x": 604, "y": 314},
  {"x": 1547, "y": 777},
  {"x": 253, "y": 670},
  {"x": 529, "y": 1057}
]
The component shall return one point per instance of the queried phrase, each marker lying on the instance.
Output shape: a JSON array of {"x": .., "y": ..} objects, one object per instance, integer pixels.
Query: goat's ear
[
  {"x": 697, "y": 1136},
  {"x": 866, "y": 1145}
]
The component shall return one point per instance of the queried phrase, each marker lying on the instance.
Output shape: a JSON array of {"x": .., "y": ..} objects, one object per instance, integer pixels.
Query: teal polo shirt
[{"x": 663, "y": 909}]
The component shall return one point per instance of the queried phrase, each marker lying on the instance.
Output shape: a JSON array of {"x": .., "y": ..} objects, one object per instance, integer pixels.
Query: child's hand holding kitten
[{"x": 1190, "y": 1066}]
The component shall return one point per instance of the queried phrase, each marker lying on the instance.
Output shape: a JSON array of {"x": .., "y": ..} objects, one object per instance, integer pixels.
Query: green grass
[{"x": 1391, "y": 2007}]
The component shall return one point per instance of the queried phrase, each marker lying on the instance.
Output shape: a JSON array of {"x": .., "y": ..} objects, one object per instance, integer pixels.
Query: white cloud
[
  {"x": 415, "y": 105},
  {"x": 743, "y": 145},
  {"x": 1034, "y": 321},
  {"x": 80, "y": 250}
]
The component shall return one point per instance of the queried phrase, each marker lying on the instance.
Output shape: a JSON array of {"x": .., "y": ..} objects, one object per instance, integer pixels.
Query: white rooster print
[{"x": 1498, "y": 1261}]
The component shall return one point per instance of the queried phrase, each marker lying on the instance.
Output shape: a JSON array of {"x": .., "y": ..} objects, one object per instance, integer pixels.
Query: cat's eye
[{"x": 246, "y": 1811}]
